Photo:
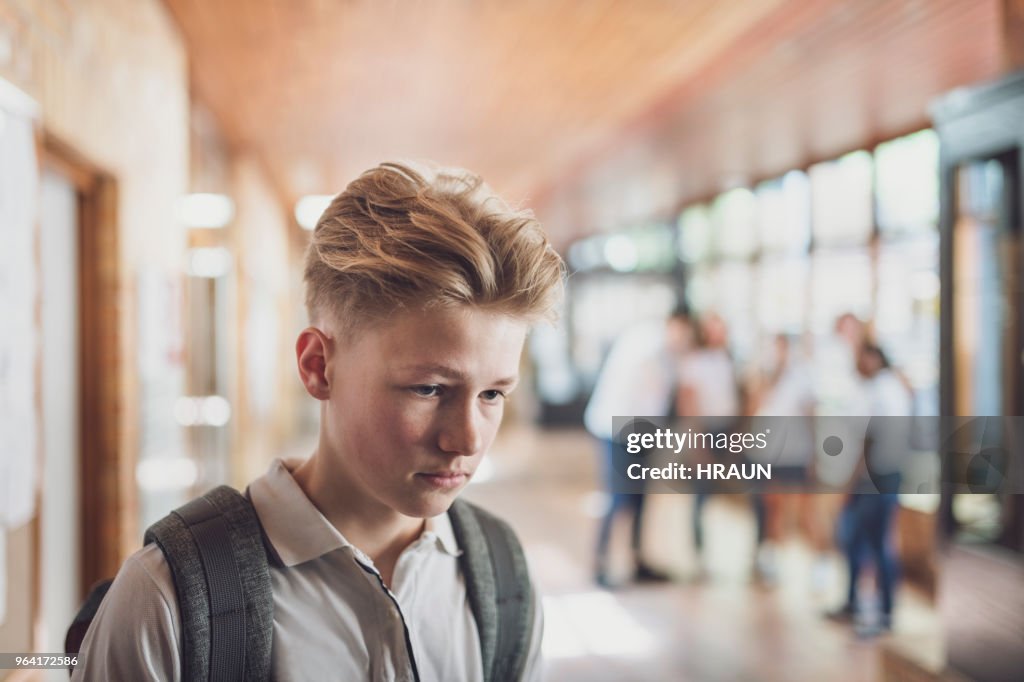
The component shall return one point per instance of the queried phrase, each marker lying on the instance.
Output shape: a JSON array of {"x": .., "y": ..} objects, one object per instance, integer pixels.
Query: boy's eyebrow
[{"x": 452, "y": 373}]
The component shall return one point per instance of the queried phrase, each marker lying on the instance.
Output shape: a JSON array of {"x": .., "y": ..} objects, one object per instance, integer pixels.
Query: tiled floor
[{"x": 724, "y": 627}]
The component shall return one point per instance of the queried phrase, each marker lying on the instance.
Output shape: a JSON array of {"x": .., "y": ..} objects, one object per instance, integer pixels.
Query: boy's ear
[{"x": 311, "y": 351}]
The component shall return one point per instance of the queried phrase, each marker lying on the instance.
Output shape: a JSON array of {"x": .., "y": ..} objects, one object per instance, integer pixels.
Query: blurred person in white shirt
[
  {"x": 709, "y": 398},
  {"x": 638, "y": 378},
  {"x": 789, "y": 393}
]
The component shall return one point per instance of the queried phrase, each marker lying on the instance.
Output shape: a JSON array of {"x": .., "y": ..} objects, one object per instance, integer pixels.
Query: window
[
  {"x": 841, "y": 202},
  {"x": 907, "y": 180},
  {"x": 784, "y": 213},
  {"x": 733, "y": 216}
]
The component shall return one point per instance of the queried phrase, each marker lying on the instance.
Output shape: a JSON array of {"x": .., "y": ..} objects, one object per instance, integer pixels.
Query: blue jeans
[
  {"x": 870, "y": 521},
  {"x": 620, "y": 503}
]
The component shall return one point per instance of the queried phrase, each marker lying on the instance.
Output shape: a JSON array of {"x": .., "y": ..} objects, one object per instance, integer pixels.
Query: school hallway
[
  {"x": 770, "y": 208},
  {"x": 725, "y": 626}
]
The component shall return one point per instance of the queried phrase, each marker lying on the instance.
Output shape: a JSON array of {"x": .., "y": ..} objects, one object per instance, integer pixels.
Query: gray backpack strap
[
  {"x": 498, "y": 588},
  {"x": 214, "y": 547}
]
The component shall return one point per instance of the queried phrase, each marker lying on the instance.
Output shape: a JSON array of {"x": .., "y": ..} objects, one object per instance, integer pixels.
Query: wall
[
  {"x": 267, "y": 382},
  {"x": 111, "y": 80},
  {"x": 262, "y": 309}
]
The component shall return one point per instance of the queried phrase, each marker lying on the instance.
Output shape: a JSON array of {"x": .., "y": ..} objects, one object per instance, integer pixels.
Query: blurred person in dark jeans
[
  {"x": 839, "y": 390},
  {"x": 638, "y": 378},
  {"x": 870, "y": 508}
]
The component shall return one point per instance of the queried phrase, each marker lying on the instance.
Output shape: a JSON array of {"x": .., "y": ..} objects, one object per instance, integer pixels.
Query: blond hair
[{"x": 401, "y": 236}]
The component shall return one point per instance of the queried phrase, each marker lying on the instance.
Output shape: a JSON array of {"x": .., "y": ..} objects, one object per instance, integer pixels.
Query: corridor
[{"x": 723, "y": 627}]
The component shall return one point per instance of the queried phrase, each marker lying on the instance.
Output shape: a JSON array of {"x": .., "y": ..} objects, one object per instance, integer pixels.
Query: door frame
[{"x": 106, "y": 489}]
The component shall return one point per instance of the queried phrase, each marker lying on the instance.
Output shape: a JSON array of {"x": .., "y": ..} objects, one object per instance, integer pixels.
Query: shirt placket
[{"x": 394, "y": 646}]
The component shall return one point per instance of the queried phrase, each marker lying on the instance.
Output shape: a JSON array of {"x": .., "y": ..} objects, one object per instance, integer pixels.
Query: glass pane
[
  {"x": 840, "y": 283},
  {"x": 980, "y": 191},
  {"x": 654, "y": 248},
  {"x": 907, "y": 183},
  {"x": 784, "y": 213},
  {"x": 700, "y": 289},
  {"x": 620, "y": 253},
  {"x": 641, "y": 249},
  {"x": 985, "y": 273},
  {"x": 604, "y": 305},
  {"x": 841, "y": 200},
  {"x": 986, "y": 324},
  {"x": 781, "y": 294},
  {"x": 587, "y": 254},
  {"x": 695, "y": 234},
  {"x": 733, "y": 217},
  {"x": 555, "y": 379},
  {"x": 907, "y": 317},
  {"x": 733, "y": 299}
]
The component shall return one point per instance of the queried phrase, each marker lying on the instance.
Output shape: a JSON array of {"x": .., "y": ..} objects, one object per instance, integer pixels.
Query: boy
[{"x": 421, "y": 286}]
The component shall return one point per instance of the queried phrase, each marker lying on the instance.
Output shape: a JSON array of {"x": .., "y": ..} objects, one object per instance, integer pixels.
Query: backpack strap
[
  {"x": 214, "y": 547},
  {"x": 83, "y": 619},
  {"x": 498, "y": 588}
]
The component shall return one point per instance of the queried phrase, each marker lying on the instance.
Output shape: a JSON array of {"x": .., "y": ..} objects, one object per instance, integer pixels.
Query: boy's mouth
[{"x": 444, "y": 479}]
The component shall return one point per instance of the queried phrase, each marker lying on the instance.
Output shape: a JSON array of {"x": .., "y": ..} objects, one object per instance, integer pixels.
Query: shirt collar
[
  {"x": 298, "y": 531},
  {"x": 439, "y": 529}
]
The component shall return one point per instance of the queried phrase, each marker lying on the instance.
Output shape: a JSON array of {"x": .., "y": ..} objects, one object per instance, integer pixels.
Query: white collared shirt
[{"x": 333, "y": 617}]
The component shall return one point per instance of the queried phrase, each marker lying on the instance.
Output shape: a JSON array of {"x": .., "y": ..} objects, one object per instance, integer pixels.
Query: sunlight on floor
[{"x": 593, "y": 624}]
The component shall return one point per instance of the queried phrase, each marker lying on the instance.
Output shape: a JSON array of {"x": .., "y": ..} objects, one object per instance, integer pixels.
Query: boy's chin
[{"x": 428, "y": 507}]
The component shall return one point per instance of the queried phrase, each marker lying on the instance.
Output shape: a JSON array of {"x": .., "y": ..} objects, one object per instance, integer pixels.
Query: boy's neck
[{"x": 379, "y": 532}]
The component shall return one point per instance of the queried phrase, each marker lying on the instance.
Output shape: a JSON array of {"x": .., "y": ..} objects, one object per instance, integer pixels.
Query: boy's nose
[{"x": 462, "y": 432}]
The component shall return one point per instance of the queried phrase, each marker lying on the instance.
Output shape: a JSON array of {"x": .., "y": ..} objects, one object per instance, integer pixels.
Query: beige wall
[
  {"x": 265, "y": 300},
  {"x": 111, "y": 79},
  {"x": 266, "y": 378},
  {"x": 16, "y": 630}
]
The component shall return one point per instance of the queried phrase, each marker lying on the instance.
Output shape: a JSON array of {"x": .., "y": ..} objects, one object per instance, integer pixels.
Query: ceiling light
[
  {"x": 208, "y": 261},
  {"x": 309, "y": 208},
  {"x": 620, "y": 252},
  {"x": 204, "y": 210},
  {"x": 166, "y": 473},
  {"x": 209, "y": 410}
]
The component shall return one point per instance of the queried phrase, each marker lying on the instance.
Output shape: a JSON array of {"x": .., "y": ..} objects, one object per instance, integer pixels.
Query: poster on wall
[{"x": 19, "y": 176}]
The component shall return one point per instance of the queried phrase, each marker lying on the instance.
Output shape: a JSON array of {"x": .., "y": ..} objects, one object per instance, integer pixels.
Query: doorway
[{"x": 82, "y": 496}]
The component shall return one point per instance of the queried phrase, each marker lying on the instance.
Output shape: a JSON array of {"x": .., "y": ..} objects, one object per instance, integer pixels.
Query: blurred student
[
  {"x": 837, "y": 384},
  {"x": 840, "y": 392},
  {"x": 789, "y": 392},
  {"x": 870, "y": 508},
  {"x": 638, "y": 378},
  {"x": 708, "y": 397},
  {"x": 420, "y": 287}
]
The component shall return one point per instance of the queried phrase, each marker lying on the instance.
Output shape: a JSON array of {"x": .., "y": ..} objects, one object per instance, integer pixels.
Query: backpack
[{"x": 220, "y": 562}]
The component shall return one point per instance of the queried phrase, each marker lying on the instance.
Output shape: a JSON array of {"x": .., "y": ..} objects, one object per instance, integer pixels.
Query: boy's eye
[
  {"x": 492, "y": 395},
  {"x": 427, "y": 390}
]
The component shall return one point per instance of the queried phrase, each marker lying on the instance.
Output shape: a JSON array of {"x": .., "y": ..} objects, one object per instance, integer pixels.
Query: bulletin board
[{"x": 19, "y": 400}]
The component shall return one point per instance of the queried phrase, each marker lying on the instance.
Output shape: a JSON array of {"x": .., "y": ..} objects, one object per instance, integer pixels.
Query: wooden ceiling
[
  {"x": 323, "y": 89},
  {"x": 814, "y": 80},
  {"x": 556, "y": 101}
]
